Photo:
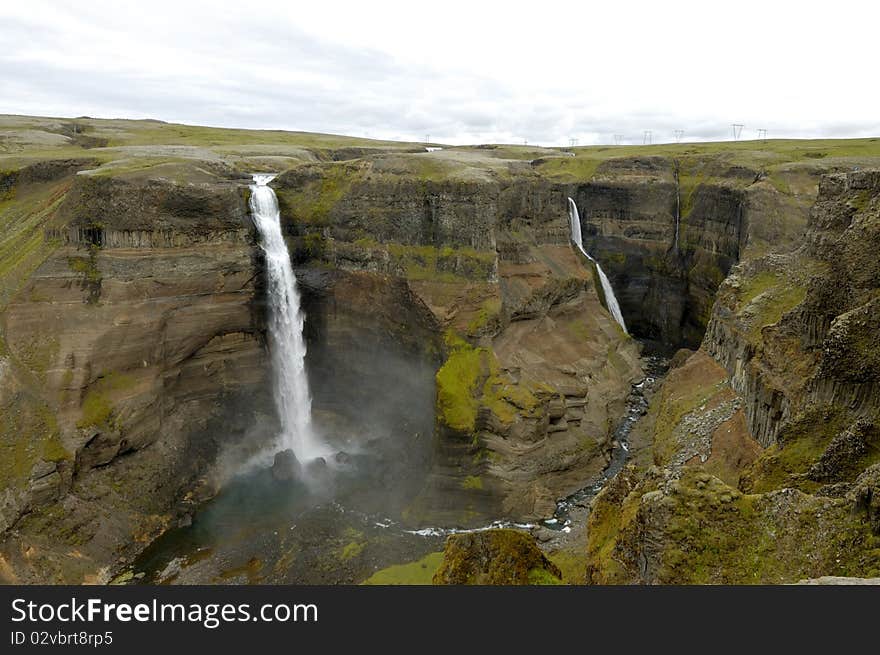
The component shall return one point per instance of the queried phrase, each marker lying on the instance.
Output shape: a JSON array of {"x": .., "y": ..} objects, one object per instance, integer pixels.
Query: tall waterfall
[
  {"x": 610, "y": 298},
  {"x": 291, "y": 389}
]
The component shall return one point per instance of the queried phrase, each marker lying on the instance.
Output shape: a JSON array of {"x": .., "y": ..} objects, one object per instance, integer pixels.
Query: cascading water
[
  {"x": 291, "y": 389},
  {"x": 610, "y": 298}
]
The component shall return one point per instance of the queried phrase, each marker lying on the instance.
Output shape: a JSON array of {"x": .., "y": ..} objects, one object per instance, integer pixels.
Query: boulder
[{"x": 286, "y": 466}]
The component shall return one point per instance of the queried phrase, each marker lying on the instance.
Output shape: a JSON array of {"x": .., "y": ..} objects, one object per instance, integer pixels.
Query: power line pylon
[
  {"x": 737, "y": 130},
  {"x": 647, "y": 139},
  {"x": 678, "y": 135},
  {"x": 618, "y": 139},
  {"x": 762, "y": 134}
]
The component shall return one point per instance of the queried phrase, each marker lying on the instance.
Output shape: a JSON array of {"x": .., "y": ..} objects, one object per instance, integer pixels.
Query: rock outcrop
[{"x": 495, "y": 557}]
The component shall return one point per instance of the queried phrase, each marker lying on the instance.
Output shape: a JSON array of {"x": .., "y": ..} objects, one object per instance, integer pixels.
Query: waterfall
[
  {"x": 291, "y": 388},
  {"x": 608, "y": 290}
]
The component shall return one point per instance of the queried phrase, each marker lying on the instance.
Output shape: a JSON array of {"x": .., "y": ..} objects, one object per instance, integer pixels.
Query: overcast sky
[{"x": 463, "y": 72}]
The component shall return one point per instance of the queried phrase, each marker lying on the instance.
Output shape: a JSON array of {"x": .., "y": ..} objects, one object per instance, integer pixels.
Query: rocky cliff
[
  {"x": 131, "y": 354},
  {"x": 765, "y": 446}
]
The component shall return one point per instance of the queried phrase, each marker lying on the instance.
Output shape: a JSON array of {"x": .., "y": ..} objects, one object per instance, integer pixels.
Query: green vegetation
[
  {"x": 671, "y": 407},
  {"x": 489, "y": 311},
  {"x": 768, "y": 296},
  {"x": 611, "y": 515},
  {"x": 457, "y": 384},
  {"x": 23, "y": 246},
  {"x": 355, "y": 545},
  {"x": 470, "y": 379},
  {"x": 442, "y": 264},
  {"x": 539, "y": 576},
  {"x": 28, "y": 433},
  {"x": 472, "y": 483},
  {"x": 312, "y": 202},
  {"x": 710, "y": 533},
  {"x": 97, "y": 407},
  {"x": 800, "y": 445},
  {"x": 717, "y": 535},
  {"x": 420, "y": 572}
]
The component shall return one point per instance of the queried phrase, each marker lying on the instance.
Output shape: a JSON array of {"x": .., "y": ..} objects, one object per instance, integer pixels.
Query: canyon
[{"x": 460, "y": 353}]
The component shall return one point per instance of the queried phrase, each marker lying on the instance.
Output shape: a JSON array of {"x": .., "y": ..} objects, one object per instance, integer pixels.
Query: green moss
[
  {"x": 489, "y": 310},
  {"x": 351, "y": 550},
  {"x": 28, "y": 433},
  {"x": 472, "y": 483},
  {"x": 687, "y": 189},
  {"x": 315, "y": 245},
  {"x": 420, "y": 572},
  {"x": 442, "y": 264},
  {"x": 23, "y": 246},
  {"x": 672, "y": 407},
  {"x": 800, "y": 444},
  {"x": 767, "y": 297},
  {"x": 716, "y": 535},
  {"x": 611, "y": 515},
  {"x": 539, "y": 576},
  {"x": 615, "y": 258},
  {"x": 572, "y": 563},
  {"x": 495, "y": 557},
  {"x": 312, "y": 203},
  {"x": 580, "y": 168},
  {"x": 91, "y": 274},
  {"x": 457, "y": 384},
  {"x": 97, "y": 408}
]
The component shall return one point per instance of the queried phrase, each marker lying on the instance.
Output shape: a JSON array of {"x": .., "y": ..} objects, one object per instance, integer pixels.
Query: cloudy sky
[{"x": 461, "y": 72}]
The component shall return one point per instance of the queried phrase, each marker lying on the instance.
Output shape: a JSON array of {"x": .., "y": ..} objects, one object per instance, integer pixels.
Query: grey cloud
[{"x": 222, "y": 80}]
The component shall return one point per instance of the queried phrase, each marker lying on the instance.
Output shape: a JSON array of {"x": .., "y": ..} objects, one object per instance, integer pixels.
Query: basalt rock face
[
  {"x": 798, "y": 330},
  {"x": 765, "y": 445},
  {"x": 133, "y": 353}
]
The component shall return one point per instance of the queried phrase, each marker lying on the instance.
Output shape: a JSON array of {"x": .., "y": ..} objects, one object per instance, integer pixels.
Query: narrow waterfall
[
  {"x": 291, "y": 389},
  {"x": 608, "y": 290},
  {"x": 677, "y": 209}
]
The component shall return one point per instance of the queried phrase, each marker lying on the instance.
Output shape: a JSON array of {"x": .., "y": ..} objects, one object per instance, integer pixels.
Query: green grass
[
  {"x": 769, "y": 295},
  {"x": 801, "y": 443},
  {"x": 420, "y": 572}
]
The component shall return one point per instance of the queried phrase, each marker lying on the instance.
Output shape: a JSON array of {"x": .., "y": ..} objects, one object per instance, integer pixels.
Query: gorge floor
[{"x": 260, "y": 530}]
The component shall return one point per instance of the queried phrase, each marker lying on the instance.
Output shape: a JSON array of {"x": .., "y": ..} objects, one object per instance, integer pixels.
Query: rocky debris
[
  {"x": 696, "y": 430},
  {"x": 285, "y": 466},
  {"x": 495, "y": 557},
  {"x": 866, "y": 495},
  {"x": 842, "y": 453}
]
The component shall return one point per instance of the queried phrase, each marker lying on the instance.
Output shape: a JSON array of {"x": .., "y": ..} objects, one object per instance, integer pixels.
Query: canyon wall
[
  {"x": 761, "y": 455},
  {"x": 132, "y": 355}
]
